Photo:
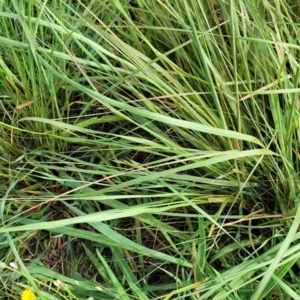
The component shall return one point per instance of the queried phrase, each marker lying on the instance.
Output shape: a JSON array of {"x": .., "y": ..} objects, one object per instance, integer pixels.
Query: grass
[{"x": 150, "y": 149}]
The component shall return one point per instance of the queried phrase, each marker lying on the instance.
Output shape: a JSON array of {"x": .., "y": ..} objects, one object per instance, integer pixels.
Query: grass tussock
[{"x": 149, "y": 149}]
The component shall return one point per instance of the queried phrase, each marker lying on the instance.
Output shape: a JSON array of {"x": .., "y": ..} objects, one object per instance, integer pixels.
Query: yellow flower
[{"x": 27, "y": 295}]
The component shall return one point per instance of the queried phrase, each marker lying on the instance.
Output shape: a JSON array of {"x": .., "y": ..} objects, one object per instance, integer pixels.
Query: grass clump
[{"x": 149, "y": 149}]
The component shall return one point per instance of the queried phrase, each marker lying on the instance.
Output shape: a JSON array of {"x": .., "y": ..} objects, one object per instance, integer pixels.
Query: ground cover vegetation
[{"x": 149, "y": 149}]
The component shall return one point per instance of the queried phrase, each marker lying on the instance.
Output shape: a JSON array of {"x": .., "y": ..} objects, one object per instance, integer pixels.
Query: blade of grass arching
[
  {"x": 91, "y": 218},
  {"x": 140, "y": 170},
  {"x": 88, "y": 193},
  {"x": 154, "y": 116},
  {"x": 209, "y": 159},
  {"x": 107, "y": 240},
  {"x": 101, "y": 239},
  {"x": 60, "y": 125},
  {"x": 260, "y": 291},
  {"x": 130, "y": 245},
  {"x": 95, "y": 221},
  {"x": 160, "y": 118},
  {"x": 77, "y": 233},
  {"x": 208, "y": 162},
  {"x": 107, "y": 200}
]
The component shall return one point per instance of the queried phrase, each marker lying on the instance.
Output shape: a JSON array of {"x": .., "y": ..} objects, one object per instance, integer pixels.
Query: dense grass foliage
[{"x": 149, "y": 149}]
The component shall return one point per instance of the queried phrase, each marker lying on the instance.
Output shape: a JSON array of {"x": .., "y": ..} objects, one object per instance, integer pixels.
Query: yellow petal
[{"x": 27, "y": 295}]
